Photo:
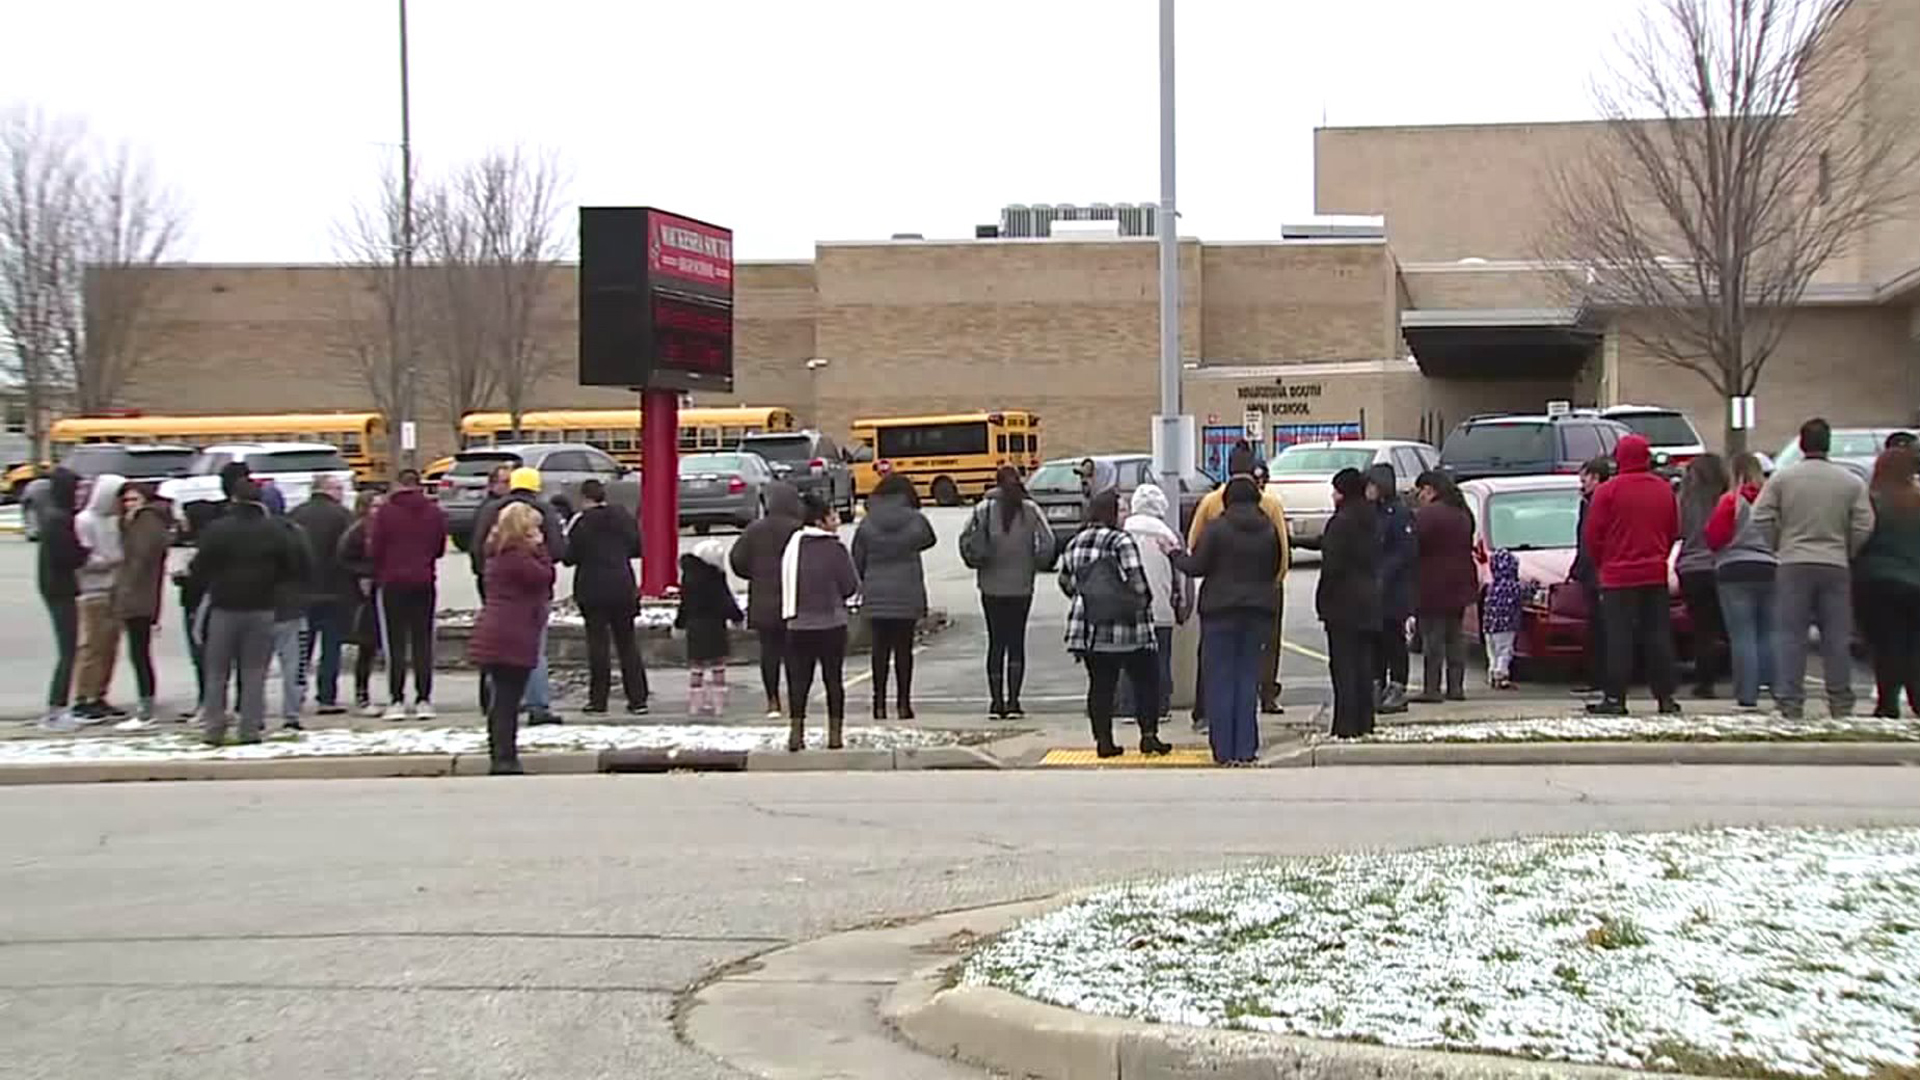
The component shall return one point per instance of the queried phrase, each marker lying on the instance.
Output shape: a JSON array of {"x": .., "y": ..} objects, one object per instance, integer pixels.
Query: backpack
[
  {"x": 976, "y": 541},
  {"x": 1104, "y": 595}
]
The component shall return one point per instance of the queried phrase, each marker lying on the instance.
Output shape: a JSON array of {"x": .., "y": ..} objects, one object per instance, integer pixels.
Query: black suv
[
  {"x": 1528, "y": 445},
  {"x": 98, "y": 459},
  {"x": 810, "y": 461}
]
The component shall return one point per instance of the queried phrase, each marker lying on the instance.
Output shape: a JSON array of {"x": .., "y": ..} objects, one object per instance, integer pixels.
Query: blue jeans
[
  {"x": 1231, "y": 650},
  {"x": 326, "y": 626},
  {"x": 1747, "y": 607},
  {"x": 287, "y": 638},
  {"x": 539, "y": 697}
]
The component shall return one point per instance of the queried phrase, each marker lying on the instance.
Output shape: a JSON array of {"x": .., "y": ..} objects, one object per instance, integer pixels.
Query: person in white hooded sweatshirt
[
  {"x": 1147, "y": 524},
  {"x": 98, "y": 530}
]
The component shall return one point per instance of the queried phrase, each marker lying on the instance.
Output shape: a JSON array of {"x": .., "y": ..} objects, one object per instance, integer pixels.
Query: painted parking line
[{"x": 1302, "y": 650}]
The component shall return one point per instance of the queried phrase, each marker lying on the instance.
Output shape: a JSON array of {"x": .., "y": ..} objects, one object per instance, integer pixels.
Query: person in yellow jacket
[{"x": 1241, "y": 462}]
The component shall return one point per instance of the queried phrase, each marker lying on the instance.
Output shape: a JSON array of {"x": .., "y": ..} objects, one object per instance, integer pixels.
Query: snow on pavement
[{"x": 1756, "y": 726}]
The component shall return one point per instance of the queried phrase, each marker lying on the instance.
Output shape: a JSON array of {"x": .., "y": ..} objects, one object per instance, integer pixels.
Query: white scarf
[{"x": 790, "y": 569}]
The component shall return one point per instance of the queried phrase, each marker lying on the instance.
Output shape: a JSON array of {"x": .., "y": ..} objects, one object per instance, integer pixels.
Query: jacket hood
[
  {"x": 64, "y": 486},
  {"x": 1148, "y": 499},
  {"x": 1634, "y": 454},
  {"x": 1247, "y": 517},
  {"x": 411, "y": 499},
  {"x": 693, "y": 568},
  {"x": 1383, "y": 477},
  {"x": 889, "y": 514},
  {"x": 783, "y": 500},
  {"x": 711, "y": 552},
  {"x": 105, "y": 499}
]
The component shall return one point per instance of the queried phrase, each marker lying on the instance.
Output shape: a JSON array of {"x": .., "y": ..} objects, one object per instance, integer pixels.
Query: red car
[{"x": 1538, "y": 519}]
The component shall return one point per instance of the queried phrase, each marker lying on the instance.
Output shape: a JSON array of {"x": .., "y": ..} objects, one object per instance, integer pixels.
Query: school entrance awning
[{"x": 1500, "y": 343}]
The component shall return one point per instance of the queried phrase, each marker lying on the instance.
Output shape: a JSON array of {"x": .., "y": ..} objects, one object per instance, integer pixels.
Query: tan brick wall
[
  {"x": 1853, "y": 365},
  {"x": 1464, "y": 286},
  {"x": 1298, "y": 302},
  {"x": 1069, "y": 329}
]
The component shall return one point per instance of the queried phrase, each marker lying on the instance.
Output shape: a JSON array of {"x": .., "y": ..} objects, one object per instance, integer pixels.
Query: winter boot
[
  {"x": 1393, "y": 699},
  {"x": 796, "y": 734},
  {"x": 835, "y": 726},
  {"x": 1103, "y": 744}
]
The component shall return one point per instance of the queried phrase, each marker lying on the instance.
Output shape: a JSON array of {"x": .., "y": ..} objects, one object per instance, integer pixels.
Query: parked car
[
  {"x": 292, "y": 467},
  {"x": 810, "y": 461},
  {"x": 1537, "y": 518},
  {"x": 1055, "y": 486},
  {"x": 1302, "y": 475},
  {"x": 1856, "y": 448},
  {"x": 1669, "y": 432},
  {"x": 723, "y": 489},
  {"x": 563, "y": 468},
  {"x": 149, "y": 463},
  {"x": 1513, "y": 444}
]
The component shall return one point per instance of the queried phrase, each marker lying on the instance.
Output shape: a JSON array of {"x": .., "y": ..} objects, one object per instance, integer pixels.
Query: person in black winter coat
[
  {"x": 1586, "y": 573},
  {"x": 335, "y": 593},
  {"x": 707, "y": 607},
  {"x": 755, "y": 559},
  {"x": 60, "y": 559},
  {"x": 1399, "y": 555},
  {"x": 1348, "y": 600},
  {"x": 247, "y": 561},
  {"x": 1237, "y": 558},
  {"x": 602, "y": 543}
]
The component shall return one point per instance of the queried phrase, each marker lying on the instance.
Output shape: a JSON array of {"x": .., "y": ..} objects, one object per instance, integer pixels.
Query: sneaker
[
  {"x": 1015, "y": 712},
  {"x": 1605, "y": 707},
  {"x": 423, "y": 710},
  {"x": 190, "y": 716},
  {"x": 1427, "y": 697},
  {"x": 111, "y": 712},
  {"x": 542, "y": 717},
  {"x": 395, "y": 712},
  {"x": 330, "y": 710},
  {"x": 292, "y": 725},
  {"x": 776, "y": 714},
  {"x": 1669, "y": 707},
  {"x": 639, "y": 708},
  {"x": 371, "y": 711},
  {"x": 60, "y": 722},
  {"x": 595, "y": 710}
]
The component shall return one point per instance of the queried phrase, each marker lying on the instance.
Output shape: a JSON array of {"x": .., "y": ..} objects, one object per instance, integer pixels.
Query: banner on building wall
[
  {"x": 1285, "y": 435},
  {"x": 1216, "y": 443}
]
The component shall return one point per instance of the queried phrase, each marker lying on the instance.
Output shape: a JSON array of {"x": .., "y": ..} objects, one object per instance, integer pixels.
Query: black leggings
[
  {"x": 1006, "y": 646},
  {"x": 140, "y": 652},
  {"x": 773, "y": 659},
  {"x": 1890, "y": 615},
  {"x": 1702, "y": 591},
  {"x": 828, "y": 648},
  {"x": 503, "y": 711},
  {"x": 893, "y": 646},
  {"x": 406, "y": 631},
  {"x": 363, "y": 657},
  {"x": 66, "y": 642}
]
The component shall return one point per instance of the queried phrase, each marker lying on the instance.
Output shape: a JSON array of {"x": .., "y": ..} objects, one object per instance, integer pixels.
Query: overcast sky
[{"x": 790, "y": 121}]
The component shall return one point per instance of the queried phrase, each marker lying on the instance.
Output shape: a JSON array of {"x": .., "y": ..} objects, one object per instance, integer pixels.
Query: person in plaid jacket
[{"x": 1110, "y": 623}]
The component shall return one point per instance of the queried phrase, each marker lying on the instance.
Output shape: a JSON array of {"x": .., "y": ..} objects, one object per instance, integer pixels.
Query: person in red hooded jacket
[
  {"x": 1630, "y": 532},
  {"x": 404, "y": 542}
]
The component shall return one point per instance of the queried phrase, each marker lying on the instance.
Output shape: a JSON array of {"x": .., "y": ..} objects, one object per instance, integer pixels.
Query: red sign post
[{"x": 656, "y": 315}]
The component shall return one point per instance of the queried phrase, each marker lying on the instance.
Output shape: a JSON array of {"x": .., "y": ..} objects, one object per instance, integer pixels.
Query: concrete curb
[
  {"x": 556, "y": 763},
  {"x": 1618, "y": 753},
  {"x": 1021, "y": 1037}
]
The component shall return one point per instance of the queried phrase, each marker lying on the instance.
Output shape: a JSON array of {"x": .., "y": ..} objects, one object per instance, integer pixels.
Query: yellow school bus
[
  {"x": 949, "y": 458},
  {"x": 361, "y": 437},
  {"x": 617, "y": 431}
]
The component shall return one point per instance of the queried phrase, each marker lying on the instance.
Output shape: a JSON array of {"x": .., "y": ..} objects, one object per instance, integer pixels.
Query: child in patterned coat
[{"x": 1500, "y": 616}]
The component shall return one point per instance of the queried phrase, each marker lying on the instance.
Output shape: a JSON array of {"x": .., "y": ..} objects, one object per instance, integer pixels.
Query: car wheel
[{"x": 946, "y": 492}]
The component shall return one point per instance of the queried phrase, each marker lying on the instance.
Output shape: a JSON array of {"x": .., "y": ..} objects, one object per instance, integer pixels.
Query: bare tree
[
  {"x": 131, "y": 224},
  {"x": 508, "y": 204},
  {"x": 43, "y": 173},
  {"x": 376, "y": 310},
  {"x": 1739, "y": 157},
  {"x": 456, "y": 317}
]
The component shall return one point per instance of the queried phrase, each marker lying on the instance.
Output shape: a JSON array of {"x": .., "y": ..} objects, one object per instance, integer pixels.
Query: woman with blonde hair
[{"x": 506, "y": 637}]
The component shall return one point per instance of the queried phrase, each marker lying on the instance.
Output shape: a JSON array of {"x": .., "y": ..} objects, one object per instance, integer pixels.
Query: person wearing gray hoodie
[
  {"x": 1006, "y": 542},
  {"x": 886, "y": 554},
  {"x": 98, "y": 530}
]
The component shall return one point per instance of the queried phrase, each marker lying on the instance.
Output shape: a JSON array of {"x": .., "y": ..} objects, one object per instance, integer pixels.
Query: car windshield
[
  {"x": 1500, "y": 442},
  {"x": 1853, "y": 443},
  {"x": 1533, "y": 520},
  {"x": 1055, "y": 476},
  {"x": 1661, "y": 429},
  {"x": 146, "y": 464},
  {"x": 785, "y": 448},
  {"x": 710, "y": 463},
  {"x": 480, "y": 465},
  {"x": 295, "y": 461},
  {"x": 1319, "y": 459}
]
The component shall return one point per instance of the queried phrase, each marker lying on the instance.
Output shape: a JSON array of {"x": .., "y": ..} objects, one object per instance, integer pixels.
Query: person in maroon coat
[
  {"x": 404, "y": 542},
  {"x": 506, "y": 637},
  {"x": 1449, "y": 584},
  {"x": 1631, "y": 529}
]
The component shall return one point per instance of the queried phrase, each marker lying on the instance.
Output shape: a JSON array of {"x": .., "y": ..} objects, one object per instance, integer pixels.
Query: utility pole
[
  {"x": 403, "y": 288},
  {"x": 1170, "y": 453}
]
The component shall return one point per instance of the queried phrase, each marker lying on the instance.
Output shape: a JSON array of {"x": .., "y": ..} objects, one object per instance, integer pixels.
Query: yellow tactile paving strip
[{"x": 1183, "y": 757}]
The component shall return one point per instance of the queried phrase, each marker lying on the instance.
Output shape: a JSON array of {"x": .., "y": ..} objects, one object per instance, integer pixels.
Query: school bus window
[
  {"x": 689, "y": 438},
  {"x": 1000, "y": 443},
  {"x": 933, "y": 440},
  {"x": 732, "y": 435}
]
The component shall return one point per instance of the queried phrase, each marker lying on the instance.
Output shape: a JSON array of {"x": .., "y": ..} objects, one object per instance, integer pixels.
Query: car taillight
[
  {"x": 446, "y": 484},
  {"x": 817, "y": 465},
  {"x": 736, "y": 485}
]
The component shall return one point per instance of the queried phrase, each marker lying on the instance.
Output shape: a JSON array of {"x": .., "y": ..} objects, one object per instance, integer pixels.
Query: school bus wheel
[{"x": 946, "y": 492}]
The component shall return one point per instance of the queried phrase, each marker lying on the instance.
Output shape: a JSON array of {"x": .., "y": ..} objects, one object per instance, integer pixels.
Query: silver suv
[{"x": 810, "y": 461}]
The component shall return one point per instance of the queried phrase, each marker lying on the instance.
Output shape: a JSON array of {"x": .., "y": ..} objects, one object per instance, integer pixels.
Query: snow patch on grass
[
  {"x": 1742, "y": 952},
  {"x": 1735, "y": 727},
  {"x": 185, "y": 744}
]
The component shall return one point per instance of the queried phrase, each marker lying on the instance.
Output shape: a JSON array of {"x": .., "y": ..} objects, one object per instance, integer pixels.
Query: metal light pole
[
  {"x": 403, "y": 288},
  {"x": 1170, "y": 458}
]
